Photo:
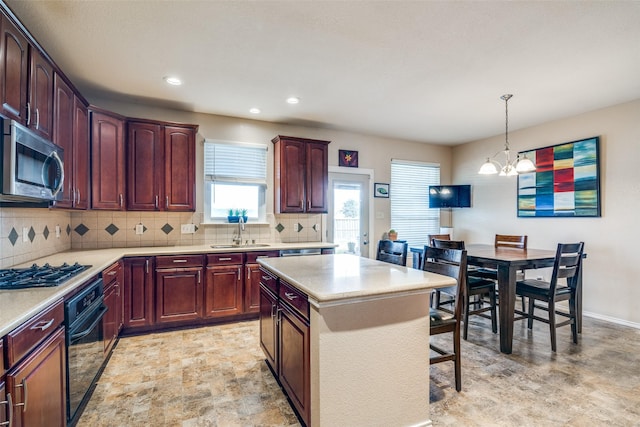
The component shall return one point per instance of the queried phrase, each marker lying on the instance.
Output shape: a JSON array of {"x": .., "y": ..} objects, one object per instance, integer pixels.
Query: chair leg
[
  {"x": 552, "y": 324},
  {"x": 523, "y": 307},
  {"x": 494, "y": 313},
  {"x": 574, "y": 320},
  {"x": 467, "y": 302},
  {"x": 530, "y": 313},
  {"x": 457, "y": 359}
]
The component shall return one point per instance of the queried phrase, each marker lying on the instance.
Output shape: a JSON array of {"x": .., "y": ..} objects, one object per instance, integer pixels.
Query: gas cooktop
[{"x": 39, "y": 276}]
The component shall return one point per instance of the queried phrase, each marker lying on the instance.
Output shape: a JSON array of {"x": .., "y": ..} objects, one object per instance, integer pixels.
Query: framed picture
[
  {"x": 566, "y": 182},
  {"x": 348, "y": 158},
  {"x": 381, "y": 190}
]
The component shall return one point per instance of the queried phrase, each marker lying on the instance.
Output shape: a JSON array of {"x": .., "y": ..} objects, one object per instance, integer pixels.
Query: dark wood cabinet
[
  {"x": 138, "y": 292},
  {"x": 14, "y": 71},
  {"x": 71, "y": 132},
  {"x": 40, "y": 105},
  {"x": 268, "y": 327},
  {"x": 113, "y": 320},
  {"x": 38, "y": 385},
  {"x": 252, "y": 279},
  {"x": 161, "y": 167},
  {"x": 224, "y": 285},
  {"x": 4, "y": 403},
  {"x": 301, "y": 175},
  {"x": 107, "y": 161},
  {"x": 178, "y": 288}
]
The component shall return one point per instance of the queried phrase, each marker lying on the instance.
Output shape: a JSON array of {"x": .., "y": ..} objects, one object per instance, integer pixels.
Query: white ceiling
[{"x": 429, "y": 71}]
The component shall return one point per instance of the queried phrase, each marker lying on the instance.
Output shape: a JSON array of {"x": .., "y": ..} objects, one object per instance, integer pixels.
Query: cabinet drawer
[
  {"x": 253, "y": 256},
  {"x": 24, "y": 338},
  {"x": 110, "y": 273},
  {"x": 269, "y": 281},
  {"x": 175, "y": 261},
  {"x": 295, "y": 298},
  {"x": 220, "y": 259}
]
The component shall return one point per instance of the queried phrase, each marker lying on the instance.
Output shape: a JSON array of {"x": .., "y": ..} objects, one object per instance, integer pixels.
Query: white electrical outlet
[
  {"x": 25, "y": 234},
  {"x": 139, "y": 228},
  {"x": 188, "y": 228},
  {"x": 57, "y": 231}
]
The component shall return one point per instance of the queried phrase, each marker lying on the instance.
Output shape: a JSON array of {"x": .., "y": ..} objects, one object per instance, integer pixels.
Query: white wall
[{"x": 611, "y": 270}]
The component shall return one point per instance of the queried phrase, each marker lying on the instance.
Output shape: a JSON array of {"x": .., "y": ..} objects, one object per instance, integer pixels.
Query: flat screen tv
[{"x": 449, "y": 196}]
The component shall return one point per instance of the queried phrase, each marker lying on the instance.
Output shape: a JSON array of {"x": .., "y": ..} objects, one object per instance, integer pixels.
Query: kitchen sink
[{"x": 252, "y": 245}]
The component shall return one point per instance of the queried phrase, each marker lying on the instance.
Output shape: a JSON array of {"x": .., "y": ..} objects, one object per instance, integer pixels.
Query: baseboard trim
[{"x": 612, "y": 319}]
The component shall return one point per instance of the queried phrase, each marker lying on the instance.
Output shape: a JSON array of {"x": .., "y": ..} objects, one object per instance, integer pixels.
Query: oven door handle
[{"x": 82, "y": 334}]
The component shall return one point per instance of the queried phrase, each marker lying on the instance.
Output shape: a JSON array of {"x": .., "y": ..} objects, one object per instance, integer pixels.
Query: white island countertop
[{"x": 334, "y": 279}]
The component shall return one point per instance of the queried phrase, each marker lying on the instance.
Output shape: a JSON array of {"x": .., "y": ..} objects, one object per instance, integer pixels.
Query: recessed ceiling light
[
  {"x": 254, "y": 111},
  {"x": 293, "y": 100},
  {"x": 174, "y": 81}
]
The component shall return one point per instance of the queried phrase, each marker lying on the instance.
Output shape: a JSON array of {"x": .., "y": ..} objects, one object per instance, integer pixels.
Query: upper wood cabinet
[
  {"x": 107, "y": 161},
  {"x": 301, "y": 175},
  {"x": 71, "y": 132},
  {"x": 161, "y": 166},
  {"x": 26, "y": 81}
]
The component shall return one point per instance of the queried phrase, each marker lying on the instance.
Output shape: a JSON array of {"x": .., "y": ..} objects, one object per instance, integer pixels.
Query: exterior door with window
[{"x": 348, "y": 219}]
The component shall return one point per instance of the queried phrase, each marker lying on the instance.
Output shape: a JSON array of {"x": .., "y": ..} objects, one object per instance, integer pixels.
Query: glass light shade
[
  {"x": 488, "y": 168},
  {"x": 525, "y": 165}
]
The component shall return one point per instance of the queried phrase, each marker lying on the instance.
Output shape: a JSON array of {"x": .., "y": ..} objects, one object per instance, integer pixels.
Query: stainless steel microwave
[{"x": 32, "y": 167}]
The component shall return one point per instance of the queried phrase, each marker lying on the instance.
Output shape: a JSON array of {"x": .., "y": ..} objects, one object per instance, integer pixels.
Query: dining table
[{"x": 507, "y": 261}]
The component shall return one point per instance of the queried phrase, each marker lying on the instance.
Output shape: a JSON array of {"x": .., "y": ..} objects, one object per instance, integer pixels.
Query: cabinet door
[
  {"x": 268, "y": 329},
  {"x": 107, "y": 162},
  {"x": 4, "y": 403},
  {"x": 40, "y": 117},
  {"x": 178, "y": 295},
  {"x": 145, "y": 154},
  {"x": 63, "y": 109},
  {"x": 317, "y": 179},
  {"x": 179, "y": 168},
  {"x": 223, "y": 293},
  {"x": 252, "y": 288},
  {"x": 80, "y": 154},
  {"x": 14, "y": 69},
  {"x": 294, "y": 350},
  {"x": 292, "y": 177},
  {"x": 110, "y": 319},
  {"x": 138, "y": 292},
  {"x": 40, "y": 380}
]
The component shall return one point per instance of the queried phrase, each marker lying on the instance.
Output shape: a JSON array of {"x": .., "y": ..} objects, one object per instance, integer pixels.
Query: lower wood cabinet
[
  {"x": 269, "y": 327},
  {"x": 178, "y": 289},
  {"x": 38, "y": 385},
  {"x": 138, "y": 292},
  {"x": 4, "y": 403},
  {"x": 224, "y": 285},
  {"x": 252, "y": 279},
  {"x": 113, "y": 319}
]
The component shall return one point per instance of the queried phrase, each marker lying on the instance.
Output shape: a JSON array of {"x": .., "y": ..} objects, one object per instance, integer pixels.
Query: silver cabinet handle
[
  {"x": 28, "y": 113},
  {"x": 156, "y": 201},
  {"x": 198, "y": 276},
  {"x": 121, "y": 200},
  {"x": 301, "y": 204},
  {"x": 78, "y": 193},
  {"x": 308, "y": 205},
  {"x": 146, "y": 266},
  {"x": 291, "y": 296},
  {"x": 166, "y": 202},
  {"x": 23, "y": 384},
  {"x": 239, "y": 273},
  {"x": 179, "y": 260},
  {"x": 9, "y": 402},
  {"x": 224, "y": 259},
  {"x": 113, "y": 273},
  {"x": 266, "y": 278},
  {"x": 37, "y": 119},
  {"x": 42, "y": 325}
]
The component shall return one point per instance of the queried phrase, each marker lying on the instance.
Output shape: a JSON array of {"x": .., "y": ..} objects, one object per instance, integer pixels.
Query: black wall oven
[{"x": 85, "y": 348}]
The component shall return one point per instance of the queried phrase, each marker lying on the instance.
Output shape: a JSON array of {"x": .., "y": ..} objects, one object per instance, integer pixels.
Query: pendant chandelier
[{"x": 511, "y": 167}]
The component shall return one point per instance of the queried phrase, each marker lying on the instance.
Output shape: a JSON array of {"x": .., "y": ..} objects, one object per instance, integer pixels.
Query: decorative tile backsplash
[{"x": 28, "y": 234}]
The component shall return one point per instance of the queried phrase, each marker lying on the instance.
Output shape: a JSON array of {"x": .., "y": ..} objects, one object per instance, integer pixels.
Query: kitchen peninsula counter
[
  {"x": 369, "y": 338},
  {"x": 17, "y": 306}
]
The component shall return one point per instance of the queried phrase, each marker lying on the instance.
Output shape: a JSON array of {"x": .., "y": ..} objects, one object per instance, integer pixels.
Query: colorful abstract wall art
[{"x": 566, "y": 182}]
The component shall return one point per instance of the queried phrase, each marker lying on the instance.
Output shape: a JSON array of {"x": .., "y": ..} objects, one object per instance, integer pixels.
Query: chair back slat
[
  {"x": 430, "y": 237},
  {"x": 510, "y": 241},
  {"x": 447, "y": 244},
  {"x": 567, "y": 263},
  {"x": 452, "y": 263},
  {"x": 392, "y": 251}
]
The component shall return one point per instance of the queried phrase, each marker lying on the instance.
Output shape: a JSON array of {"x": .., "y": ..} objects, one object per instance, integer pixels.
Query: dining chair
[
  {"x": 475, "y": 286},
  {"x": 567, "y": 264},
  {"x": 430, "y": 237},
  {"x": 392, "y": 251},
  {"x": 452, "y": 263}
]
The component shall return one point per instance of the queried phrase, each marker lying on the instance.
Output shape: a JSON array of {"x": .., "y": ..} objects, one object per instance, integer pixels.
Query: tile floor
[{"x": 216, "y": 376}]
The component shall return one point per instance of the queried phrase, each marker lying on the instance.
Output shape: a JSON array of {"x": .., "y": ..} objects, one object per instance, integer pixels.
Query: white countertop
[
  {"x": 17, "y": 306},
  {"x": 335, "y": 279}
]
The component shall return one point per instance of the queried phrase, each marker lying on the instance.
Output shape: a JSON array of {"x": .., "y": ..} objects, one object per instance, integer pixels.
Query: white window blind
[
  {"x": 235, "y": 162},
  {"x": 409, "y": 195}
]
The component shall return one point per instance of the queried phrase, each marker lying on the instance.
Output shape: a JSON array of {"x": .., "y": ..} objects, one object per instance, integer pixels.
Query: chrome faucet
[{"x": 237, "y": 239}]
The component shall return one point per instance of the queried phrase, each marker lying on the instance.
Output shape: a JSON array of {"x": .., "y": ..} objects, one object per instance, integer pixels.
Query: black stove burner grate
[{"x": 39, "y": 276}]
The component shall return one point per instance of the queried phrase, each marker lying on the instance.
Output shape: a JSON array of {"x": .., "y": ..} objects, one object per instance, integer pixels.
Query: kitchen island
[{"x": 368, "y": 337}]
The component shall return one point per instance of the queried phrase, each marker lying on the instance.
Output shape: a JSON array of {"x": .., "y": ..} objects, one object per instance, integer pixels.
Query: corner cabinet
[
  {"x": 301, "y": 169},
  {"x": 107, "y": 161},
  {"x": 161, "y": 166}
]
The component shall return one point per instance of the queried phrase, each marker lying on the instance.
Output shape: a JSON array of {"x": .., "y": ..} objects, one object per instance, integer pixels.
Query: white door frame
[{"x": 369, "y": 173}]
